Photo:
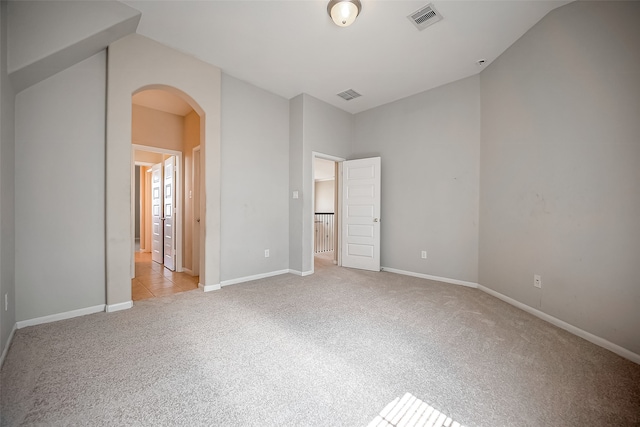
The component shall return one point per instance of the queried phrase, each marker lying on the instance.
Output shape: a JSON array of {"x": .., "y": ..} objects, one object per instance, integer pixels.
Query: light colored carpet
[{"x": 331, "y": 349}]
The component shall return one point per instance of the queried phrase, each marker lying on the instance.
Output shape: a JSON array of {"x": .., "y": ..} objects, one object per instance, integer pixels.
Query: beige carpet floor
[{"x": 331, "y": 349}]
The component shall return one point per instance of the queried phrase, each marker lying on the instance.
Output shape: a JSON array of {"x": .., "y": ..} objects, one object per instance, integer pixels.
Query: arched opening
[{"x": 166, "y": 142}]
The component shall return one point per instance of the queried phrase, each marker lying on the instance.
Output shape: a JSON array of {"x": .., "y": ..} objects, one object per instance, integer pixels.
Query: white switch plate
[
  {"x": 266, "y": 253},
  {"x": 537, "y": 281},
  {"x": 424, "y": 254},
  {"x": 295, "y": 194}
]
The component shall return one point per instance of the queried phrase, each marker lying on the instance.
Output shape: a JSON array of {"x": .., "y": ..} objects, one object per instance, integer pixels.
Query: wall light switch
[
  {"x": 266, "y": 253},
  {"x": 295, "y": 194},
  {"x": 424, "y": 254}
]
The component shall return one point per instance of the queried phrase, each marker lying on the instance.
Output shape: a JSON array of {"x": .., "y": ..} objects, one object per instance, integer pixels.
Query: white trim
[
  {"x": 146, "y": 164},
  {"x": 187, "y": 271},
  {"x": 254, "y": 277},
  {"x": 430, "y": 277},
  {"x": 337, "y": 245},
  {"x": 152, "y": 149},
  {"x": 6, "y": 347},
  {"x": 209, "y": 288},
  {"x": 60, "y": 316},
  {"x": 615, "y": 348},
  {"x": 301, "y": 273},
  {"x": 119, "y": 306}
]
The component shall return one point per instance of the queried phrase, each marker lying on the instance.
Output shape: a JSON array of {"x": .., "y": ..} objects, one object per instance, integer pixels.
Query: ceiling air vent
[
  {"x": 348, "y": 95},
  {"x": 424, "y": 17}
]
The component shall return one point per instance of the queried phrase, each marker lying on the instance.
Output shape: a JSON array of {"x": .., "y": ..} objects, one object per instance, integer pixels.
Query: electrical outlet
[
  {"x": 266, "y": 253},
  {"x": 537, "y": 281},
  {"x": 424, "y": 255}
]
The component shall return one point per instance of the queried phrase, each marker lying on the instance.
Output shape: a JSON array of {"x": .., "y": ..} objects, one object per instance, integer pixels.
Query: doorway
[
  {"x": 324, "y": 211},
  {"x": 158, "y": 259},
  {"x": 165, "y": 130},
  {"x": 166, "y": 136},
  {"x": 356, "y": 216},
  {"x": 160, "y": 204}
]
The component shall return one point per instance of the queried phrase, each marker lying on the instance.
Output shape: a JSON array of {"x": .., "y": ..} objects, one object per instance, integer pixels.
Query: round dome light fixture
[{"x": 344, "y": 12}]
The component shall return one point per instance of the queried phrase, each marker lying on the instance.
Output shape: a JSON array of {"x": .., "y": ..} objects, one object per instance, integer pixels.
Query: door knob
[{"x": 375, "y": 219}]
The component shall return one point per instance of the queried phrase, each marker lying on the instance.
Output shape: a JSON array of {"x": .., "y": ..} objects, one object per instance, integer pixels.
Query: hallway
[{"x": 153, "y": 280}]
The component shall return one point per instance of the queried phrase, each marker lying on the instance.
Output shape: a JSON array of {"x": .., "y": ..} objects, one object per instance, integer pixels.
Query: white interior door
[
  {"x": 169, "y": 213},
  {"x": 157, "y": 240},
  {"x": 361, "y": 214}
]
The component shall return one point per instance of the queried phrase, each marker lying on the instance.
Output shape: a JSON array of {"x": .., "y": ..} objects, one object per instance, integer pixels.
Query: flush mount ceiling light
[{"x": 344, "y": 12}]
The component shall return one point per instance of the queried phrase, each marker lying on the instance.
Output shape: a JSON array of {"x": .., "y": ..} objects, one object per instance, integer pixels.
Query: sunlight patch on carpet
[{"x": 411, "y": 412}]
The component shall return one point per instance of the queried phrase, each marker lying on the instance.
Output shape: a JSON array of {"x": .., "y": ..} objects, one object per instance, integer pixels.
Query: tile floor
[{"x": 153, "y": 280}]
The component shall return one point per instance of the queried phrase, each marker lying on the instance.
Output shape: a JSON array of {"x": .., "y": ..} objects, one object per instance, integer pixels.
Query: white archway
[{"x": 137, "y": 63}]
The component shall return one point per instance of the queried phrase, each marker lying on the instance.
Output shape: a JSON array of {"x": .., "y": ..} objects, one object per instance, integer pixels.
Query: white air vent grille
[
  {"x": 348, "y": 95},
  {"x": 424, "y": 17}
]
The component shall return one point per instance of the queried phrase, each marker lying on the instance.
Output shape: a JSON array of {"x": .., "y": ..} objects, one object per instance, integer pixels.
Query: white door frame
[
  {"x": 169, "y": 227},
  {"x": 316, "y": 155},
  {"x": 179, "y": 201},
  {"x": 197, "y": 245}
]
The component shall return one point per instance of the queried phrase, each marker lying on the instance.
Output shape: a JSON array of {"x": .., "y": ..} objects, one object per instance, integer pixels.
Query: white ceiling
[{"x": 290, "y": 47}]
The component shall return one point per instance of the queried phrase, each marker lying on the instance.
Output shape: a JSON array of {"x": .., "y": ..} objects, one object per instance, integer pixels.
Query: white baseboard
[
  {"x": 8, "y": 344},
  {"x": 120, "y": 306},
  {"x": 209, "y": 288},
  {"x": 300, "y": 273},
  {"x": 430, "y": 277},
  {"x": 620, "y": 351},
  {"x": 254, "y": 277},
  {"x": 61, "y": 316}
]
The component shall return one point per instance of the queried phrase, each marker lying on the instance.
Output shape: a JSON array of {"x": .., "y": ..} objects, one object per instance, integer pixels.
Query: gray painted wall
[
  {"x": 255, "y": 180},
  {"x": 296, "y": 139},
  {"x": 60, "y": 192},
  {"x": 327, "y": 130},
  {"x": 429, "y": 144},
  {"x": 315, "y": 126},
  {"x": 7, "y": 191},
  {"x": 560, "y": 169}
]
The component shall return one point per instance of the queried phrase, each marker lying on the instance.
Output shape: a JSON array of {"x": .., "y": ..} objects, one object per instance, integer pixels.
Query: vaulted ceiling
[{"x": 292, "y": 47}]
